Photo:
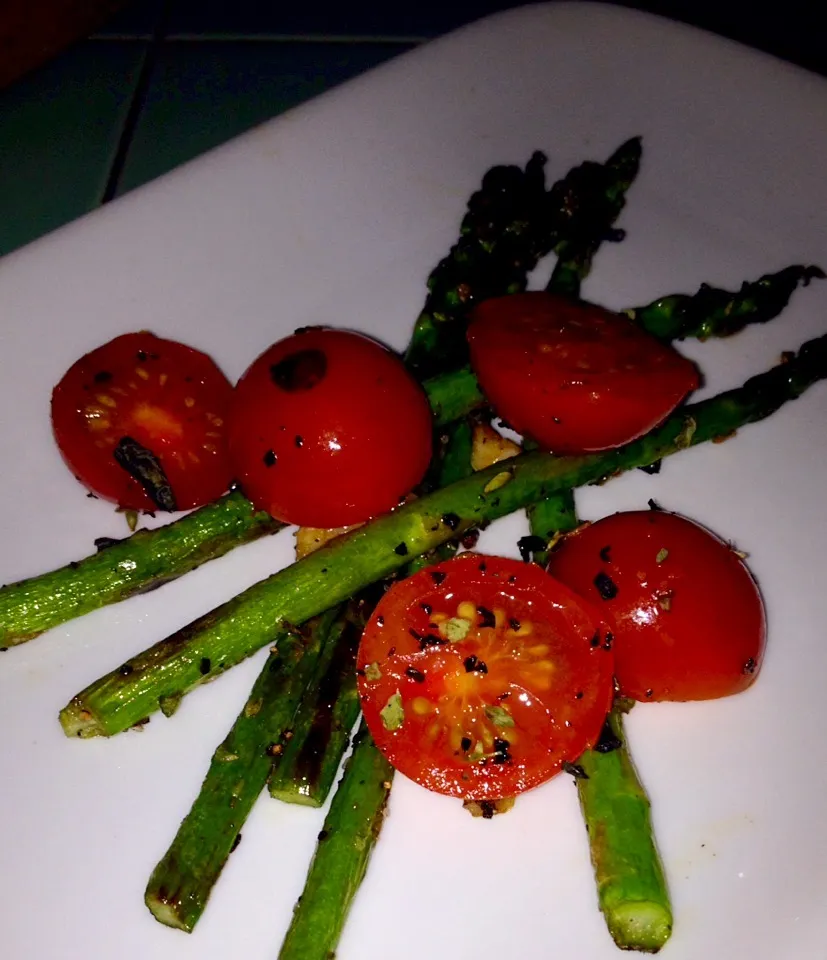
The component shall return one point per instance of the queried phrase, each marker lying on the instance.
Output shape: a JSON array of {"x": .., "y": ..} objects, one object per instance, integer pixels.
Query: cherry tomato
[
  {"x": 480, "y": 677},
  {"x": 688, "y": 620},
  {"x": 573, "y": 376},
  {"x": 328, "y": 429},
  {"x": 140, "y": 397}
]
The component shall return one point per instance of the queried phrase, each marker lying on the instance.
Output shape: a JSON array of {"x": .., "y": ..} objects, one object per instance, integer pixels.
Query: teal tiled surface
[
  {"x": 202, "y": 94},
  {"x": 59, "y": 132}
]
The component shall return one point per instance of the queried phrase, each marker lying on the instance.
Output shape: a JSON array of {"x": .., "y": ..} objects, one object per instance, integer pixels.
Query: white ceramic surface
[{"x": 335, "y": 213}]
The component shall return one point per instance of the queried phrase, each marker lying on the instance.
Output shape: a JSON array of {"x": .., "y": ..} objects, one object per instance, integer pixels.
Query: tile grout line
[{"x": 136, "y": 107}]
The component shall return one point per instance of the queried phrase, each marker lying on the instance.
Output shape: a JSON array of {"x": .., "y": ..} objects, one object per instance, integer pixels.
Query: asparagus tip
[
  {"x": 642, "y": 925},
  {"x": 77, "y": 721}
]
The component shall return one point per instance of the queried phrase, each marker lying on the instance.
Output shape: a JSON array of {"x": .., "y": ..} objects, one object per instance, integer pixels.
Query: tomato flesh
[
  {"x": 328, "y": 429},
  {"x": 573, "y": 376},
  {"x": 481, "y": 676},
  {"x": 688, "y": 620},
  {"x": 170, "y": 399}
]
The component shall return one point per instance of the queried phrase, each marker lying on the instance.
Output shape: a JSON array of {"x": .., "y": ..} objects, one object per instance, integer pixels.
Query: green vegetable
[
  {"x": 124, "y": 568},
  {"x": 512, "y": 221},
  {"x": 231, "y": 632},
  {"x": 181, "y": 883},
  {"x": 631, "y": 887},
  {"x": 345, "y": 845},
  {"x": 719, "y": 313}
]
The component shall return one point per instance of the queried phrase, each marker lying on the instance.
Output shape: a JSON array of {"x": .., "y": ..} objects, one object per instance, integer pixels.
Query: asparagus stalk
[
  {"x": 719, "y": 313},
  {"x": 631, "y": 886},
  {"x": 230, "y": 633},
  {"x": 123, "y": 568},
  {"x": 181, "y": 883},
  {"x": 345, "y": 845},
  {"x": 512, "y": 221}
]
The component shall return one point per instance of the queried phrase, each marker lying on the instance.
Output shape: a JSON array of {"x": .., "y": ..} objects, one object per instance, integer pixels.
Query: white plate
[{"x": 335, "y": 213}]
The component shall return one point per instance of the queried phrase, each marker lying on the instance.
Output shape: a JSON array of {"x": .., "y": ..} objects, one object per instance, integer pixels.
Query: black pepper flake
[
  {"x": 578, "y": 695},
  {"x": 141, "y": 355},
  {"x": 749, "y": 666},
  {"x": 269, "y": 458},
  {"x": 649, "y": 692},
  {"x": 465, "y": 744},
  {"x": 529, "y": 545},
  {"x": 300, "y": 330},
  {"x": 299, "y": 440},
  {"x": 487, "y": 618},
  {"x": 392, "y": 651},
  {"x": 427, "y": 608},
  {"x": 483, "y": 566},
  {"x": 438, "y": 576},
  {"x": 595, "y": 641},
  {"x": 451, "y": 520},
  {"x": 415, "y": 634},
  {"x": 473, "y": 664},
  {"x": 74, "y": 564},
  {"x": 608, "y": 740},
  {"x": 605, "y": 553},
  {"x": 103, "y": 543},
  {"x": 501, "y": 754},
  {"x": 102, "y": 376},
  {"x": 512, "y": 578},
  {"x": 652, "y": 468},
  {"x": 126, "y": 669},
  {"x": 469, "y": 539},
  {"x": 487, "y": 809},
  {"x": 514, "y": 624},
  {"x": 360, "y": 671},
  {"x": 654, "y": 505},
  {"x": 575, "y": 770},
  {"x": 236, "y": 842},
  {"x": 606, "y": 587},
  {"x": 204, "y": 666},
  {"x": 401, "y": 549},
  {"x": 416, "y": 675},
  {"x": 432, "y": 640},
  {"x": 607, "y": 640},
  {"x": 380, "y": 621},
  {"x": 323, "y": 835}
]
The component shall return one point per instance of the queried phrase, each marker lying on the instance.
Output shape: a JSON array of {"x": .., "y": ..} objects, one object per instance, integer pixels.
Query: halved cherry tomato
[
  {"x": 157, "y": 401},
  {"x": 687, "y": 617},
  {"x": 328, "y": 429},
  {"x": 481, "y": 676},
  {"x": 573, "y": 376}
]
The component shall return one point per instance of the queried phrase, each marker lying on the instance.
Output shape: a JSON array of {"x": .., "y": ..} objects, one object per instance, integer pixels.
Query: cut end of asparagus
[
  {"x": 166, "y": 912},
  {"x": 77, "y": 721},
  {"x": 644, "y": 926},
  {"x": 290, "y": 793}
]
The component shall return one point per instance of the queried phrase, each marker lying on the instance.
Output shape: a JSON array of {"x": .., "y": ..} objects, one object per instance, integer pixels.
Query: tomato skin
[
  {"x": 688, "y": 617},
  {"x": 546, "y": 666},
  {"x": 328, "y": 428},
  {"x": 573, "y": 376},
  {"x": 169, "y": 397}
]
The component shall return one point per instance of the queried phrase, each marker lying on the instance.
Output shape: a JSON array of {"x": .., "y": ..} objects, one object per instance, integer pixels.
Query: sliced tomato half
[
  {"x": 142, "y": 421},
  {"x": 481, "y": 676}
]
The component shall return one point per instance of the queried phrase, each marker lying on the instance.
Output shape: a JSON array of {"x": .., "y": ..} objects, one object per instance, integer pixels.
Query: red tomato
[
  {"x": 688, "y": 617},
  {"x": 171, "y": 400},
  {"x": 573, "y": 376},
  {"x": 480, "y": 677},
  {"x": 328, "y": 428}
]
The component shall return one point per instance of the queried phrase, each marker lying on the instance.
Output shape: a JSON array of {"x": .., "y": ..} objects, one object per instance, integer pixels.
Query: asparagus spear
[
  {"x": 345, "y": 845},
  {"x": 231, "y": 632},
  {"x": 123, "y": 568},
  {"x": 719, "y": 313},
  {"x": 181, "y": 883},
  {"x": 631, "y": 886},
  {"x": 512, "y": 221}
]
